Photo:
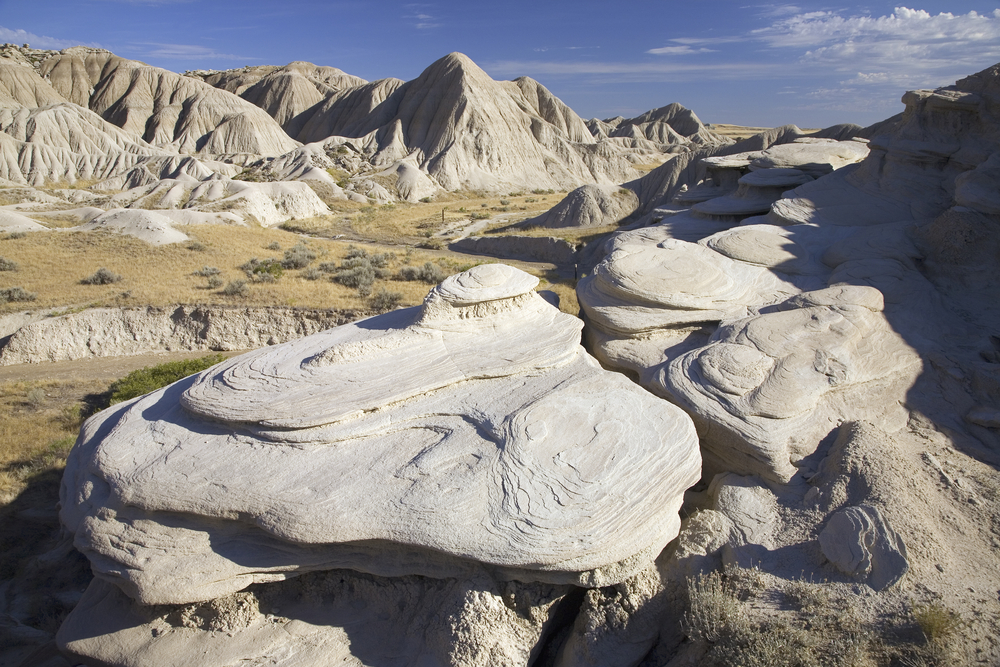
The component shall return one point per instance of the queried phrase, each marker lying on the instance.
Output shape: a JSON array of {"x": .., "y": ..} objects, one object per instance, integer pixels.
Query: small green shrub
[
  {"x": 196, "y": 246},
  {"x": 476, "y": 215},
  {"x": 35, "y": 397},
  {"x": 151, "y": 378},
  {"x": 268, "y": 270},
  {"x": 384, "y": 300},
  {"x": 274, "y": 245},
  {"x": 13, "y": 294},
  {"x": 215, "y": 282},
  {"x": 207, "y": 271},
  {"x": 425, "y": 200},
  {"x": 299, "y": 256},
  {"x": 505, "y": 202},
  {"x": 17, "y": 235},
  {"x": 357, "y": 272},
  {"x": 236, "y": 288},
  {"x": 102, "y": 276},
  {"x": 312, "y": 273},
  {"x": 7, "y": 264},
  {"x": 429, "y": 273}
]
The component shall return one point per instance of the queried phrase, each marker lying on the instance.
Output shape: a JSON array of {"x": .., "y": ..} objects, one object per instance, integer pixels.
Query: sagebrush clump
[
  {"x": 102, "y": 276},
  {"x": 429, "y": 273},
  {"x": 13, "y": 294},
  {"x": 384, "y": 300},
  {"x": 299, "y": 256},
  {"x": 267, "y": 270},
  {"x": 7, "y": 264},
  {"x": 236, "y": 288}
]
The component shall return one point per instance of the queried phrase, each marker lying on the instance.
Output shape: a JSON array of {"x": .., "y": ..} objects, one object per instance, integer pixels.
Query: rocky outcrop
[
  {"x": 814, "y": 308},
  {"x": 167, "y": 110},
  {"x": 283, "y": 92},
  {"x": 588, "y": 206},
  {"x": 20, "y": 86},
  {"x": 672, "y": 124},
  {"x": 342, "y": 109},
  {"x": 499, "y": 453},
  {"x": 470, "y": 131},
  {"x": 109, "y": 332}
]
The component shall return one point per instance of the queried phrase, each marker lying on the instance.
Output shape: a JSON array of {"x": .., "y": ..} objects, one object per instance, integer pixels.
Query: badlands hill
[{"x": 85, "y": 114}]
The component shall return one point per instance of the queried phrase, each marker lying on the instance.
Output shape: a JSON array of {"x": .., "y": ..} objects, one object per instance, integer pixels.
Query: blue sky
[{"x": 808, "y": 63}]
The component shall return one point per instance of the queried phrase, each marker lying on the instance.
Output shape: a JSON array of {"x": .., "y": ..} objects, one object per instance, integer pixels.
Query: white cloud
[
  {"x": 681, "y": 50},
  {"x": 692, "y": 41},
  {"x": 184, "y": 52},
  {"x": 904, "y": 41},
  {"x": 424, "y": 21},
  {"x": 19, "y": 36}
]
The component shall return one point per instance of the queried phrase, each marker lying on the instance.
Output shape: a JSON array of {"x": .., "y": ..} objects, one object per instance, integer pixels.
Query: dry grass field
[
  {"x": 39, "y": 421},
  {"x": 417, "y": 224},
  {"x": 51, "y": 267}
]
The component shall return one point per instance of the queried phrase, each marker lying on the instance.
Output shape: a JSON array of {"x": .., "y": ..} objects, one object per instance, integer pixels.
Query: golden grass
[
  {"x": 52, "y": 265},
  {"x": 576, "y": 235},
  {"x": 566, "y": 290},
  {"x": 412, "y": 224},
  {"x": 39, "y": 422}
]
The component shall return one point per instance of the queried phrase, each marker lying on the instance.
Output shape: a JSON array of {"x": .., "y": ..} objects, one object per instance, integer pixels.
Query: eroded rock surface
[
  {"x": 820, "y": 307},
  {"x": 472, "y": 434}
]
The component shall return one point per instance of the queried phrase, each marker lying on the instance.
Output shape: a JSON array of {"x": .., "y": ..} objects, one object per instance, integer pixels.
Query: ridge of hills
[{"x": 453, "y": 122}]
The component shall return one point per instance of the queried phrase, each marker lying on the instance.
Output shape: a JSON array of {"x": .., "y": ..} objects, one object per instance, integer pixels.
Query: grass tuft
[{"x": 151, "y": 378}]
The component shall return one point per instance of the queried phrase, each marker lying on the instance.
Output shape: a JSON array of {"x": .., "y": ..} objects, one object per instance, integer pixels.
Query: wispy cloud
[
  {"x": 422, "y": 16},
  {"x": 773, "y": 11},
  {"x": 543, "y": 49},
  {"x": 184, "y": 52},
  {"x": 19, "y": 36},
  {"x": 680, "y": 50},
  {"x": 634, "y": 72}
]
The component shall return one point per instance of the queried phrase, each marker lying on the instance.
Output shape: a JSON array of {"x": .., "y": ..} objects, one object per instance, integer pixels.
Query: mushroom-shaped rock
[{"x": 474, "y": 431}]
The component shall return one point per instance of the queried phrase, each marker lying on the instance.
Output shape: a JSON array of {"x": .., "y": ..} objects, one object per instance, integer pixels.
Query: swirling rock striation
[{"x": 472, "y": 432}]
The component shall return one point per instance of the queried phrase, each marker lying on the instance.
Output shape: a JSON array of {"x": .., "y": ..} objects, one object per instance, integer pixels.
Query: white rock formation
[
  {"x": 116, "y": 332},
  {"x": 493, "y": 446},
  {"x": 860, "y": 543},
  {"x": 285, "y": 93},
  {"x": 672, "y": 124},
  {"x": 470, "y": 131},
  {"x": 588, "y": 206},
  {"x": 167, "y": 110},
  {"x": 704, "y": 312}
]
